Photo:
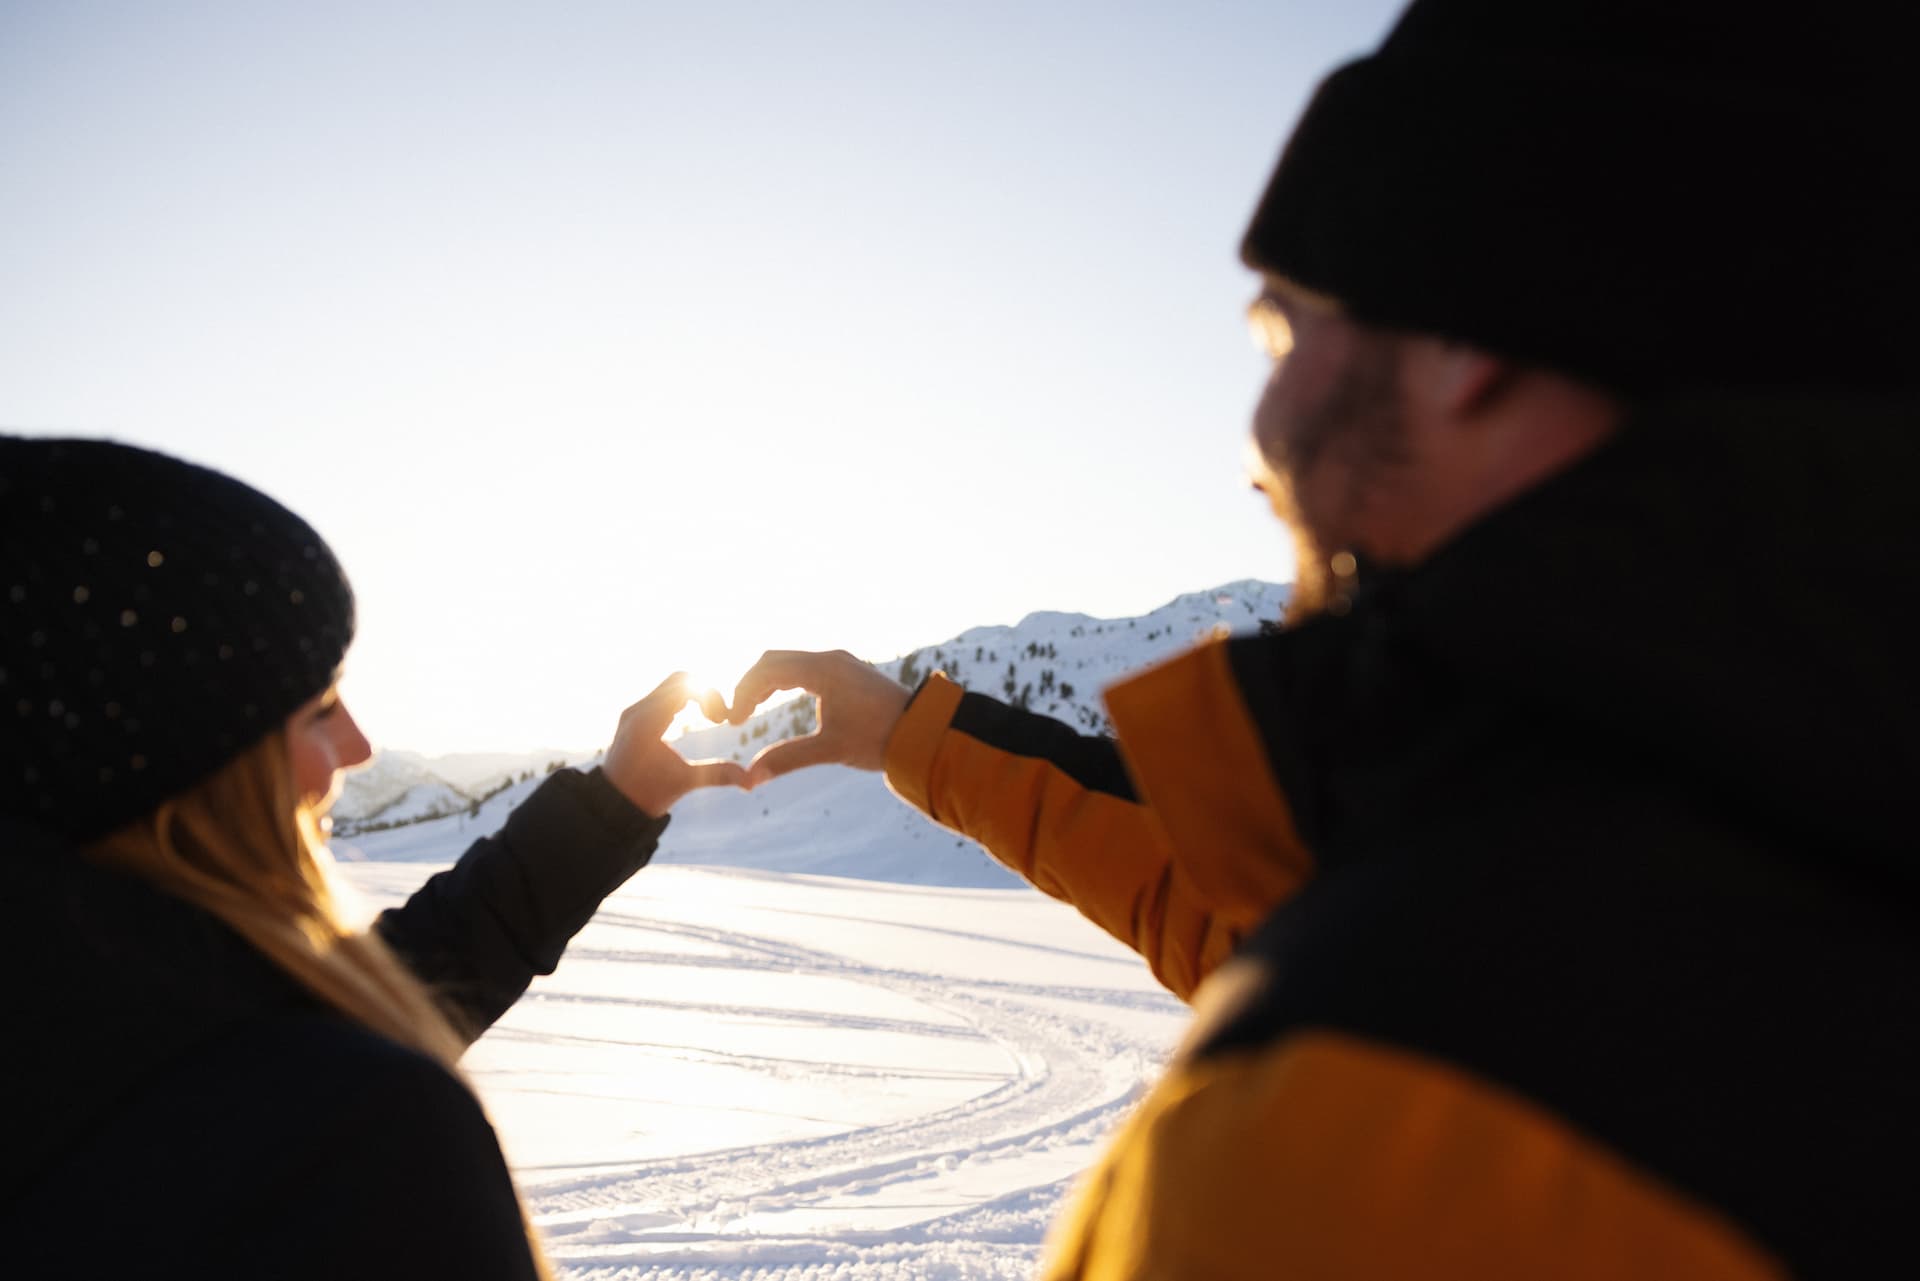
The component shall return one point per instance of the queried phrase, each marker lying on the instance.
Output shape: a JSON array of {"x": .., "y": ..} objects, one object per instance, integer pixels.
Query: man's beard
[
  {"x": 1313, "y": 581},
  {"x": 1335, "y": 453}
]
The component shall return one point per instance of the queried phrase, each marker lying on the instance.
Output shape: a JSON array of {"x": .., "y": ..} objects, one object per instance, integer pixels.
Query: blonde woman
[{"x": 208, "y": 1072}]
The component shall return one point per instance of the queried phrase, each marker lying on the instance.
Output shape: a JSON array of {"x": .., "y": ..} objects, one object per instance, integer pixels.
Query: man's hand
[
  {"x": 858, "y": 709},
  {"x": 647, "y": 771}
]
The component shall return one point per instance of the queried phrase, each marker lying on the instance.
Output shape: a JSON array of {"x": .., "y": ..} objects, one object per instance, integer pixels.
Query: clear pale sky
[{"x": 604, "y": 339}]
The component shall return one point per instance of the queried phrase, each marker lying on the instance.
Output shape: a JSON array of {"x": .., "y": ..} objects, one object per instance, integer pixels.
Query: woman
[{"x": 208, "y": 1072}]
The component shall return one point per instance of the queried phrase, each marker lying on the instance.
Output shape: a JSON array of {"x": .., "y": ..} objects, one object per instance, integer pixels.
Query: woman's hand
[{"x": 647, "y": 771}]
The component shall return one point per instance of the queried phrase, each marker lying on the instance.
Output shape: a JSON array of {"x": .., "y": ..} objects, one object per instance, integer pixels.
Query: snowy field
[{"x": 772, "y": 1074}]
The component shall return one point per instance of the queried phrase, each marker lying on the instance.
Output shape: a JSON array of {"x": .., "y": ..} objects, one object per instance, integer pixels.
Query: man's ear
[{"x": 1454, "y": 379}]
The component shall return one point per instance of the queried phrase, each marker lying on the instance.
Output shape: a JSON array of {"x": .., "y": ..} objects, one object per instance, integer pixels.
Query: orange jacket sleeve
[{"x": 1061, "y": 809}]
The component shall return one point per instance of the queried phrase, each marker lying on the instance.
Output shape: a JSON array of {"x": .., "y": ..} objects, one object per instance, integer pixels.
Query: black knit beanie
[
  {"x": 1689, "y": 195},
  {"x": 156, "y": 619}
]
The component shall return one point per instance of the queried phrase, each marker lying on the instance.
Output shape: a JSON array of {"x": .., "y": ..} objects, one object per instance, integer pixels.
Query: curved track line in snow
[
  {"x": 766, "y": 1013},
  {"x": 924, "y": 1196}
]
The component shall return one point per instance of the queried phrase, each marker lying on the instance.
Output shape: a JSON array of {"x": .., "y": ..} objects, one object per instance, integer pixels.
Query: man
[{"x": 1546, "y": 891}]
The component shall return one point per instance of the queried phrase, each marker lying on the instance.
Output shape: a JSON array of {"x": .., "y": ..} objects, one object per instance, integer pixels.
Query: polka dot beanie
[{"x": 156, "y": 620}]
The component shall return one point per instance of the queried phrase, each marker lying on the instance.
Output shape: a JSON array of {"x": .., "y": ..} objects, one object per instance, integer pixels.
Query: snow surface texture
[
  {"x": 742, "y": 1074},
  {"x": 847, "y": 1045}
]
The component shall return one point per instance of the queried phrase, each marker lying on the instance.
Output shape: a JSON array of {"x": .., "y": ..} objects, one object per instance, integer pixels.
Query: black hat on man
[{"x": 1671, "y": 197}]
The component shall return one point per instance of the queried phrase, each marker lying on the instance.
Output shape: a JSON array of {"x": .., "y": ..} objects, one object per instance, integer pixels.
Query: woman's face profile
[{"x": 322, "y": 740}]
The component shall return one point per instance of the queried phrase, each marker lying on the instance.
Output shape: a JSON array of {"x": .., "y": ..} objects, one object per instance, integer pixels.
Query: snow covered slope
[
  {"x": 394, "y": 788},
  {"x": 398, "y": 788},
  {"x": 481, "y": 773},
  {"x": 757, "y": 1076}
]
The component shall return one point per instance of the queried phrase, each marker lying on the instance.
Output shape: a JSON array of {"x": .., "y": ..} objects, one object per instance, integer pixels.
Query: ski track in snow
[
  {"x": 741, "y": 1213},
  {"x": 928, "y": 1096}
]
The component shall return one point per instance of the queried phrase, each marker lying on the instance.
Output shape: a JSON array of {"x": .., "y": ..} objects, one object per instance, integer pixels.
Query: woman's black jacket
[{"x": 176, "y": 1106}]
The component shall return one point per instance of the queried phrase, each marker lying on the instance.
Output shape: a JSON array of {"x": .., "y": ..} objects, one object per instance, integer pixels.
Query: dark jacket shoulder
[
  {"x": 297, "y": 1145},
  {"x": 165, "y": 1068}
]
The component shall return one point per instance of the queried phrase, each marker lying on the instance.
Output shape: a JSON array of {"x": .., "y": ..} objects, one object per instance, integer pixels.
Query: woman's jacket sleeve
[{"x": 478, "y": 932}]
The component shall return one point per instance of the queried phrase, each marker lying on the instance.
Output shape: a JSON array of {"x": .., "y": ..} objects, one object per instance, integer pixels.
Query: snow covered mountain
[
  {"x": 829, "y": 821},
  {"x": 395, "y": 788},
  {"x": 483, "y": 773},
  {"x": 1049, "y": 662}
]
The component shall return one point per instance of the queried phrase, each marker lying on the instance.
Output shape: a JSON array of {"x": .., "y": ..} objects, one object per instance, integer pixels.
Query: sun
[
  {"x": 712, "y": 675},
  {"x": 717, "y": 672}
]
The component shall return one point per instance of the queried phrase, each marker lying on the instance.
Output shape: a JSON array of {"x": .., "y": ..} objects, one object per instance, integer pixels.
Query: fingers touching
[
  {"x": 793, "y": 754},
  {"x": 717, "y": 774},
  {"x": 858, "y": 708}
]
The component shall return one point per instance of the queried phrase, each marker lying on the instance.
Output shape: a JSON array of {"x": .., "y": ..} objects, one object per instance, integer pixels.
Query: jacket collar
[{"x": 1723, "y": 598}]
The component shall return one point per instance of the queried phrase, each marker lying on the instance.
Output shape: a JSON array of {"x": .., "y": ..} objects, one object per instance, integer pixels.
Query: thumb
[
  {"x": 795, "y": 753},
  {"x": 715, "y": 774}
]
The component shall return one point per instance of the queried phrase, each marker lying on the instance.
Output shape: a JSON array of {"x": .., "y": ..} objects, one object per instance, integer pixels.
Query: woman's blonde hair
[{"x": 244, "y": 847}]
